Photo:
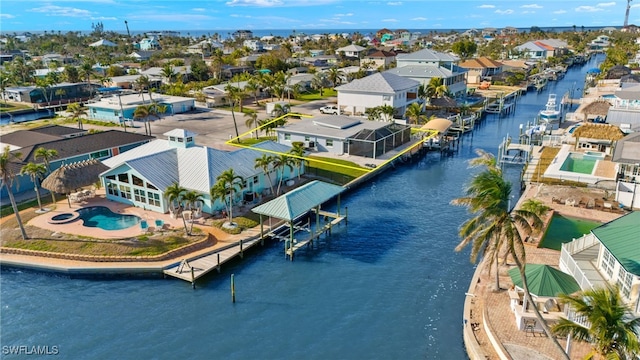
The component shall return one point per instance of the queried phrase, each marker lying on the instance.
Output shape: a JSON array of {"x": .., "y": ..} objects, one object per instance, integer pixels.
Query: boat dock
[{"x": 192, "y": 269}]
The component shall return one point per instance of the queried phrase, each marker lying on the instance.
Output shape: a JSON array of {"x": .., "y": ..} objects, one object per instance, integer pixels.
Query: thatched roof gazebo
[
  {"x": 599, "y": 132},
  {"x": 596, "y": 108},
  {"x": 68, "y": 178},
  {"x": 443, "y": 102}
]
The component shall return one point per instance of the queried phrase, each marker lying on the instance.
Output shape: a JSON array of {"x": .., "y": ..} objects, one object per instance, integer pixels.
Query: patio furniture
[
  {"x": 144, "y": 226},
  {"x": 607, "y": 206},
  {"x": 591, "y": 204},
  {"x": 530, "y": 325}
]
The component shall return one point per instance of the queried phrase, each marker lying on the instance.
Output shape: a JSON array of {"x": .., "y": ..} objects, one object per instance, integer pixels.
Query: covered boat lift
[{"x": 296, "y": 203}]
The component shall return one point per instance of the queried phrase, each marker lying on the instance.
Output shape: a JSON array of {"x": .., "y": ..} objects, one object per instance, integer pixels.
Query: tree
[
  {"x": 168, "y": 72},
  {"x": 173, "y": 194},
  {"x": 494, "y": 227},
  {"x": 464, "y": 48},
  {"x": 613, "y": 330},
  {"x": 252, "y": 121},
  {"x": 5, "y": 77},
  {"x": 44, "y": 85},
  {"x": 387, "y": 112},
  {"x": 335, "y": 75},
  {"x": 141, "y": 84},
  {"x": 298, "y": 152},
  {"x": 36, "y": 173},
  {"x": 145, "y": 112},
  {"x": 191, "y": 199},
  {"x": 265, "y": 162},
  {"x": 77, "y": 112},
  {"x": 280, "y": 110},
  {"x": 414, "y": 113},
  {"x": 233, "y": 94},
  {"x": 282, "y": 162},
  {"x": 7, "y": 176},
  {"x": 319, "y": 81},
  {"x": 252, "y": 87},
  {"x": 199, "y": 69},
  {"x": 86, "y": 70},
  {"x": 227, "y": 181}
]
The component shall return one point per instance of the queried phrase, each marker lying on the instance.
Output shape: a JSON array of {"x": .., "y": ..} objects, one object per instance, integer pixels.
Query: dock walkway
[{"x": 192, "y": 269}]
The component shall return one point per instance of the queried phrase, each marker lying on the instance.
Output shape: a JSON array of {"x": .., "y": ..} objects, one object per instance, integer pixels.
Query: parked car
[{"x": 330, "y": 109}]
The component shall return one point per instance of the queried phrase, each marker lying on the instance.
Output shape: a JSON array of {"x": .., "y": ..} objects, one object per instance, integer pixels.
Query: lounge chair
[{"x": 144, "y": 226}]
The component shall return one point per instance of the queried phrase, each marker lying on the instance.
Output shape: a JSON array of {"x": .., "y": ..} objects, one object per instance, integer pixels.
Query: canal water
[{"x": 388, "y": 285}]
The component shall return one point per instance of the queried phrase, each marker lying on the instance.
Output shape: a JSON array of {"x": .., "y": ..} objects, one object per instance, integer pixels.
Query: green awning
[
  {"x": 299, "y": 201},
  {"x": 544, "y": 280}
]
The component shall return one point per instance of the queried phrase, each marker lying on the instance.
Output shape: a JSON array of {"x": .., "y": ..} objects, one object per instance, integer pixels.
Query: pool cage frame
[{"x": 373, "y": 143}]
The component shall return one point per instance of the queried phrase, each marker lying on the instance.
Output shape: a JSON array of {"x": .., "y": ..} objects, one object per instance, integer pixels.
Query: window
[
  {"x": 112, "y": 189},
  {"x": 125, "y": 192},
  {"x": 624, "y": 282},
  {"x": 151, "y": 187},
  {"x": 139, "y": 195},
  {"x": 180, "y": 140},
  {"x": 386, "y": 98},
  {"x": 99, "y": 154},
  {"x": 255, "y": 179},
  {"x": 608, "y": 263},
  {"x": 136, "y": 180},
  {"x": 111, "y": 177},
  {"x": 287, "y": 137},
  {"x": 115, "y": 113},
  {"x": 154, "y": 198},
  {"x": 123, "y": 178},
  {"x": 307, "y": 138},
  {"x": 329, "y": 143},
  {"x": 172, "y": 138}
]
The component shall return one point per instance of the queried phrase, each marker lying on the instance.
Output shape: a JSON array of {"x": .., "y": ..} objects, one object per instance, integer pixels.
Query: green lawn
[
  {"x": 315, "y": 95},
  {"x": 7, "y": 107},
  {"x": 338, "y": 170}
]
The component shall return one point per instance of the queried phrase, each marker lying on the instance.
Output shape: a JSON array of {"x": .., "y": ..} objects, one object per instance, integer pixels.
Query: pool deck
[
  {"x": 495, "y": 336},
  {"x": 220, "y": 240},
  {"x": 604, "y": 169}
]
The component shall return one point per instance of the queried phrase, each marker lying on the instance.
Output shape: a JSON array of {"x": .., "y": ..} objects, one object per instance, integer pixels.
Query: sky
[{"x": 147, "y": 15}]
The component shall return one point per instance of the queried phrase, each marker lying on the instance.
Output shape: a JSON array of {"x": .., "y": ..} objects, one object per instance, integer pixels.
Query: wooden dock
[{"x": 192, "y": 269}]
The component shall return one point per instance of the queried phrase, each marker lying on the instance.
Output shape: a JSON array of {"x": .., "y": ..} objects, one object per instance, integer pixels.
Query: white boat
[{"x": 551, "y": 114}]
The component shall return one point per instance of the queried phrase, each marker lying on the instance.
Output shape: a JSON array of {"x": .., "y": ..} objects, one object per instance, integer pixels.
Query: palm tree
[
  {"x": 252, "y": 121},
  {"x": 36, "y": 173},
  {"x": 86, "y": 70},
  {"x": 265, "y": 163},
  {"x": 282, "y": 162},
  {"x": 387, "y": 112},
  {"x": 280, "y": 109},
  {"x": 613, "y": 330},
  {"x": 229, "y": 180},
  {"x": 335, "y": 75},
  {"x": 7, "y": 176},
  {"x": 414, "y": 114},
  {"x": 495, "y": 227},
  {"x": 46, "y": 155},
  {"x": 173, "y": 194},
  {"x": 191, "y": 199},
  {"x": 233, "y": 93},
  {"x": 297, "y": 150},
  {"x": 5, "y": 78},
  {"x": 77, "y": 112},
  {"x": 319, "y": 81},
  {"x": 145, "y": 112},
  {"x": 168, "y": 72},
  {"x": 252, "y": 87},
  {"x": 423, "y": 94},
  {"x": 141, "y": 84}
]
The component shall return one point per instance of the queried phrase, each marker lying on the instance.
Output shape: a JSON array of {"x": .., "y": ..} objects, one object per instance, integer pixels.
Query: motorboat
[{"x": 551, "y": 114}]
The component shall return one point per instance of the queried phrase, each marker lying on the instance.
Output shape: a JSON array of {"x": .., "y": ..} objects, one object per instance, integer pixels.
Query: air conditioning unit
[{"x": 310, "y": 144}]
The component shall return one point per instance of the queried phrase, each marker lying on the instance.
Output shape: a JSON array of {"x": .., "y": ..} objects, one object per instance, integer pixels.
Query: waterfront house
[
  {"x": 542, "y": 49},
  {"x": 55, "y": 94},
  {"x": 376, "y": 90},
  {"x": 148, "y": 43},
  {"x": 426, "y": 64},
  {"x": 627, "y": 157},
  {"x": 121, "y": 107},
  {"x": 480, "y": 69},
  {"x": 72, "y": 145},
  {"x": 338, "y": 134},
  {"x": 608, "y": 255},
  {"x": 140, "y": 177}
]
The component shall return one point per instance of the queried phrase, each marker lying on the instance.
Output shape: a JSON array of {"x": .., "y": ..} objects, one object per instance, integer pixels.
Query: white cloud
[
  {"x": 528, "y": 12},
  {"x": 504, "y": 12},
  {"x": 486, "y": 6},
  {"x": 419, "y": 18},
  {"x": 586, "y": 8},
  {"x": 104, "y": 18},
  {"x": 389, "y": 20},
  {"x": 394, "y": 3},
  {"x": 606, "y": 4},
  {"x": 264, "y": 3},
  {"x": 199, "y": 9},
  {"x": 343, "y": 15},
  {"x": 635, "y": 5},
  {"x": 560, "y": 12},
  {"x": 187, "y": 18},
  {"x": 6, "y": 16},
  {"x": 531, "y": 6},
  {"x": 53, "y": 10}
]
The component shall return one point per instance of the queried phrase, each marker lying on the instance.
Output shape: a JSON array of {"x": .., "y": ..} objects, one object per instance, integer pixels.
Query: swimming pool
[
  {"x": 103, "y": 218},
  {"x": 564, "y": 229},
  {"x": 581, "y": 163}
]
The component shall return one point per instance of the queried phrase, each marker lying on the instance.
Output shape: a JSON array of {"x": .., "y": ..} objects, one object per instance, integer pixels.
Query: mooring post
[
  {"x": 346, "y": 215},
  {"x": 241, "y": 251},
  {"x": 233, "y": 289},
  {"x": 193, "y": 279},
  {"x": 218, "y": 266}
]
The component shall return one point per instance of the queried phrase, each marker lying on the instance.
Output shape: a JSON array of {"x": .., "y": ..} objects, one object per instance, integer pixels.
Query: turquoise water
[
  {"x": 103, "y": 218},
  {"x": 579, "y": 163},
  {"x": 386, "y": 286},
  {"x": 563, "y": 229}
]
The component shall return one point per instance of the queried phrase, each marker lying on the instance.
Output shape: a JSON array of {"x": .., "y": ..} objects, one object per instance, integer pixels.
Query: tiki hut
[
  {"x": 600, "y": 137},
  {"x": 68, "y": 178},
  {"x": 598, "y": 108},
  {"x": 444, "y": 102},
  {"x": 617, "y": 72}
]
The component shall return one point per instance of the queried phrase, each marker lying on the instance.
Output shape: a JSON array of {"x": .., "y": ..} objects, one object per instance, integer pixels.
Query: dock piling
[
  {"x": 193, "y": 278},
  {"x": 241, "y": 250},
  {"x": 233, "y": 289}
]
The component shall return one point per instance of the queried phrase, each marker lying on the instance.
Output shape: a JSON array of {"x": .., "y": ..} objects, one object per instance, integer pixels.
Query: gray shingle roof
[
  {"x": 421, "y": 71},
  {"x": 383, "y": 83},
  {"x": 427, "y": 55}
]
